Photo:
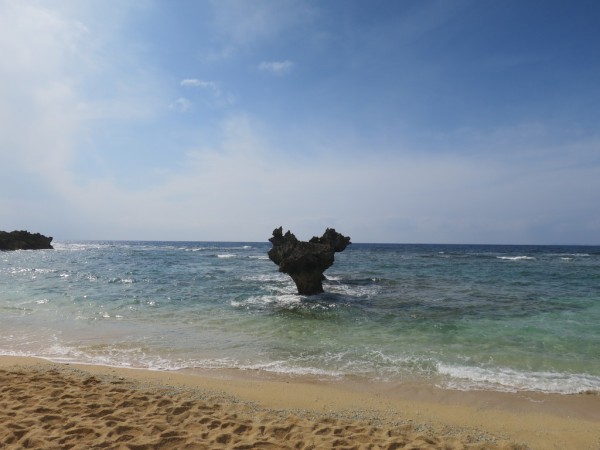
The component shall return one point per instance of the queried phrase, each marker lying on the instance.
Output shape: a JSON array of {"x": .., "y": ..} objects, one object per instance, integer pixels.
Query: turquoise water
[{"x": 464, "y": 317}]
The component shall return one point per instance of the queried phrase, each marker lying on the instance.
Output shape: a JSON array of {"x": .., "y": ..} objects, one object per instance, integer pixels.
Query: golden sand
[{"x": 53, "y": 406}]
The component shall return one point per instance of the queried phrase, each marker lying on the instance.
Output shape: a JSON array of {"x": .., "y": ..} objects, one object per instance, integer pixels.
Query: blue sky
[{"x": 392, "y": 121}]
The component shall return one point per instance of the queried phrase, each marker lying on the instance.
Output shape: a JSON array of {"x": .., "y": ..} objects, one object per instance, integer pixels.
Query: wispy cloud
[
  {"x": 220, "y": 98},
  {"x": 192, "y": 82},
  {"x": 244, "y": 24},
  {"x": 39, "y": 98},
  {"x": 57, "y": 81},
  {"x": 181, "y": 104},
  {"x": 276, "y": 67},
  {"x": 471, "y": 200},
  {"x": 83, "y": 131},
  {"x": 195, "y": 82}
]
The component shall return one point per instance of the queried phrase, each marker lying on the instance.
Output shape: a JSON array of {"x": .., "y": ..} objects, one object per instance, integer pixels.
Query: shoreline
[{"x": 412, "y": 412}]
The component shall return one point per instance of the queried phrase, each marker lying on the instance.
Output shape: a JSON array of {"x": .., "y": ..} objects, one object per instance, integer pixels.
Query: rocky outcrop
[
  {"x": 305, "y": 262},
  {"x": 24, "y": 240}
]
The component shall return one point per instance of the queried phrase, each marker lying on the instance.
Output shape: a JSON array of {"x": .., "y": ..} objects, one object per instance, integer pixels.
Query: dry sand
[{"x": 53, "y": 406}]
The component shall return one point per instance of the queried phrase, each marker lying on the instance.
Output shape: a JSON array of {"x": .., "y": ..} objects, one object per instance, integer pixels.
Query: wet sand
[{"x": 45, "y": 405}]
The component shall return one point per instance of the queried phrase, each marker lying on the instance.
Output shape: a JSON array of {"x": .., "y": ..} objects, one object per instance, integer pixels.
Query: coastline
[{"x": 274, "y": 412}]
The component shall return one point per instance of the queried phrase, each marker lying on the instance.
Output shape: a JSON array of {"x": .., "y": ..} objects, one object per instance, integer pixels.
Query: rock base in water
[
  {"x": 24, "y": 240},
  {"x": 305, "y": 262}
]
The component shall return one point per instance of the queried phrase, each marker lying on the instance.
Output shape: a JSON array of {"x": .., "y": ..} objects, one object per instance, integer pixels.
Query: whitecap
[
  {"x": 71, "y": 246},
  {"x": 121, "y": 280},
  {"x": 17, "y": 270},
  {"x": 226, "y": 255},
  {"x": 261, "y": 301},
  {"x": 334, "y": 278},
  {"x": 516, "y": 258},
  {"x": 353, "y": 290},
  {"x": 267, "y": 278}
]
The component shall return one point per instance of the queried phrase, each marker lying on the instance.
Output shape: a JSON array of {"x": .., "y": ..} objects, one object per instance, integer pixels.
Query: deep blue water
[{"x": 461, "y": 316}]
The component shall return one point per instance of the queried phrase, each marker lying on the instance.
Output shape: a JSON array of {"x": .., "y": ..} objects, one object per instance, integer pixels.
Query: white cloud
[
  {"x": 38, "y": 101},
  {"x": 243, "y": 22},
  {"x": 241, "y": 25},
  {"x": 191, "y": 82},
  {"x": 58, "y": 76},
  {"x": 276, "y": 67},
  {"x": 220, "y": 98},
  {"x": 242, "y": 187},
  {"x": 56, "y": 82},
  {"x": 194, "y": 82},
  {"x": 181, "y": 105}
]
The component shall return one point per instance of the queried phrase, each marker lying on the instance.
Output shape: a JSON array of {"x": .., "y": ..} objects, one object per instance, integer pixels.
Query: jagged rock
[
  {"x": 24, "y": 240},
  {"x": 305, "y": 262}
]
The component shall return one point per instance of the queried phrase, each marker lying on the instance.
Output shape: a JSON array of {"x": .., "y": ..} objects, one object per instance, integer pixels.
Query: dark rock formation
[
  {"x": 23, "y": 240},
  {"x": 305, "y": 262}
]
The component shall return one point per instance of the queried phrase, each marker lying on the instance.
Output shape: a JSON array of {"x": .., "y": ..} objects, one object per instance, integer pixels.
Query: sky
[{"x": 401, "y": 121}]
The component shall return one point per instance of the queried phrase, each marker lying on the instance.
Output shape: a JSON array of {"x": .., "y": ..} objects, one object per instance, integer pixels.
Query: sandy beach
[{"x": 44, "y": 405}]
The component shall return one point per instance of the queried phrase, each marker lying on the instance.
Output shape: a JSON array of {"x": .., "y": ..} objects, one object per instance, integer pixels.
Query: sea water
[{"x": 504, "y": 318}]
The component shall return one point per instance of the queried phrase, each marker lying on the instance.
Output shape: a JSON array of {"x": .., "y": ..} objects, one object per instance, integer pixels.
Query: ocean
[{"x": 468, "y": 317}]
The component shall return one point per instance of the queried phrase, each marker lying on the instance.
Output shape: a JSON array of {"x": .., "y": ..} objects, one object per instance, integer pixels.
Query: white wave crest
[
  {"x": 283, "y": 367},
  {"x": 284, "y": 300},
  {"x": 74, "y": 247},
  {"x": 510, "y": 380},
  {"x": 516, "y": 258},
  {"x": 277, "y": 367},
  {"x": 267, "y": 277}
]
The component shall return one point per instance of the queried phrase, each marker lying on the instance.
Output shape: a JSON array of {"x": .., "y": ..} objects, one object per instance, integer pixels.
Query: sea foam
[
  {"x": 516, "y": 258},
  {"x": 510, "y": 380}
]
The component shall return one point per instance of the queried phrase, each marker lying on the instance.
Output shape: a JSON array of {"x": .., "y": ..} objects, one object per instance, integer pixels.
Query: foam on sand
[{"x": 45, "y": 405}]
